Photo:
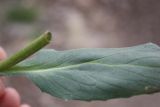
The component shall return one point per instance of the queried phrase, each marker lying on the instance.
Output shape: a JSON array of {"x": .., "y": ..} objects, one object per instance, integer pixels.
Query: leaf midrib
[{"x": 77, "y": 65}]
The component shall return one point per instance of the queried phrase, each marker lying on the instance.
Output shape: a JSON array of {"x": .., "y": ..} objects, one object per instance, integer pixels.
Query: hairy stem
[{"x": 29, "y": 50}]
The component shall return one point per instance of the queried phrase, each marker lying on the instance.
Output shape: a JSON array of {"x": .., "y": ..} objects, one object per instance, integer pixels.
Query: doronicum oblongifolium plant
[{"x": 87, "y": 74}]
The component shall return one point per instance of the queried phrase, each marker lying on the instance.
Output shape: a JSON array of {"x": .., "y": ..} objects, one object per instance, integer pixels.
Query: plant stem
[{"x": 29, "y": 50}]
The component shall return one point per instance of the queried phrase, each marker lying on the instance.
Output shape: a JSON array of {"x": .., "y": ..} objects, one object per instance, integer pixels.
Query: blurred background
[{"x": 78, "y": 24}]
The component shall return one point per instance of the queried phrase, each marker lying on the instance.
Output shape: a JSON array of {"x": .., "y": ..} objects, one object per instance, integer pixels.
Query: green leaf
[
  {"x": 94, "y": 74},
  {"x": 22, "y": 14}
]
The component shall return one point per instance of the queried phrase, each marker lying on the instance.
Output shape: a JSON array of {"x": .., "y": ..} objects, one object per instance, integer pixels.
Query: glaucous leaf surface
[{"x": 94, "y": 74}]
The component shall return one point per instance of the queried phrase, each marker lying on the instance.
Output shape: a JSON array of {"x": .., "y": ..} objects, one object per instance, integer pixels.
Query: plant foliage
[{"x": 94, "y": 74}]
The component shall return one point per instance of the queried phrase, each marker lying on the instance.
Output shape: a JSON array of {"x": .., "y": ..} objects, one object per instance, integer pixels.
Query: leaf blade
[{"x": 94, "y": 74}]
